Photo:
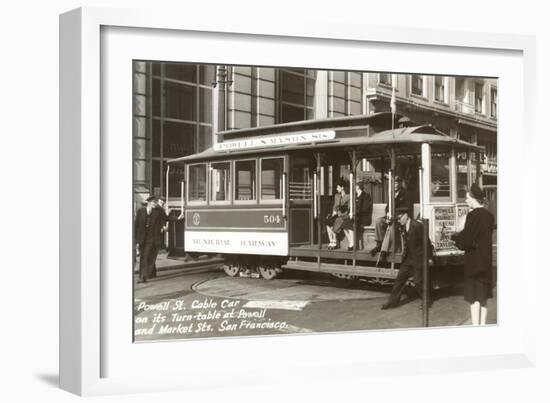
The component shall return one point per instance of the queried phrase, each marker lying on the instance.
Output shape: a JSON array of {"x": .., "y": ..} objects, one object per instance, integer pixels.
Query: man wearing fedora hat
[
  {"x": 148, "y": 225},
  {"x": 383, "y": 232},
  {"x": 411, "y": 258}
]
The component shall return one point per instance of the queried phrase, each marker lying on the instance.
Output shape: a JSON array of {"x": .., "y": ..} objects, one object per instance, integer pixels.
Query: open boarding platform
[{"x": 358, "y": 263}]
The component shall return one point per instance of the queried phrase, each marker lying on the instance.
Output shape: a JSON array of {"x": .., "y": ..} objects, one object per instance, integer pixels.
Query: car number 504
[{"x": 272, "y": 219}]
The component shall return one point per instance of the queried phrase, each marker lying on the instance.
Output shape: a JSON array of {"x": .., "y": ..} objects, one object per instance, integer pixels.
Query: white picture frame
[{"x": 96, "y": 353}]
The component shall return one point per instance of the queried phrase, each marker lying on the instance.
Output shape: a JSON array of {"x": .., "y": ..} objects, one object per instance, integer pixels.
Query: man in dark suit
[
  {"x": 384, "y": 233},
  {"x": 148, "y": 225},
  {"x": 363, "y": 207},
  {"x": 412, "y": 257}
]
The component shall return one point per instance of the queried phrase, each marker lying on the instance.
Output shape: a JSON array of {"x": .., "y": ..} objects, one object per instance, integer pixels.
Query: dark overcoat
[
  {"x": 143, "y": 232},
  {"x": 363, "y": 204},
  {"x": 476, "y": 240},
  {"x": 413, "y": 246},
  {"x": 403, "y": 200}
]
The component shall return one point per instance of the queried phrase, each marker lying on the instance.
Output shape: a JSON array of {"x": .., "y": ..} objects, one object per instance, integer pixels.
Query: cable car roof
[{"x": 347, "y": 136}]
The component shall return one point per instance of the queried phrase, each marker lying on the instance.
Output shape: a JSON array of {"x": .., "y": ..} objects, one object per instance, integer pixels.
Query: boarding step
[{"x": 360, "y": 271}]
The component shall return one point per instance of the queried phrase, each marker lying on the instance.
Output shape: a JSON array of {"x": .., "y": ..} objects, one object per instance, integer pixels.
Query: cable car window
[
  {"x": 197, "y": 183},
  {"x": 245, "y": 180},
  {"x": 440, "y": 184},
  {"x": 272, "y": 170},
  {"x": 461, "y": 175},
  {"x": 220, "y": 181},
  {"x": 300, "y": 180}
]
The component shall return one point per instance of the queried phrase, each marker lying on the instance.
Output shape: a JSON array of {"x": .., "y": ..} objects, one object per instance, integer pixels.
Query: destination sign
[
  {"x": 241, "y": 242},
  {"x": 447, "y": 220},
  {"x": 444, "y": 226},
  {"x": 275, "y": 141}
]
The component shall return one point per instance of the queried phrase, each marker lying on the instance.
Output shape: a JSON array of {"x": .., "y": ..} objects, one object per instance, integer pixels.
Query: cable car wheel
[
  {"x": 343, "y": 276},
  {"x": 231, "y": 269},
  {"x": 268, "y": 272}
]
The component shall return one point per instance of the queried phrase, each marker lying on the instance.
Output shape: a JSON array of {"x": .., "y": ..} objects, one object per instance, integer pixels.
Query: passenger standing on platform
[
  {"x": 148, "y": 223},
  {"x": 363, "y": 205},
  {"x": 412, "y": 257},
  {"x": 476, "y": 239},
  {"x": 384, "y": 233},
  {"x": 334, "y": 221},
  {"x": 346, "y": 219}
]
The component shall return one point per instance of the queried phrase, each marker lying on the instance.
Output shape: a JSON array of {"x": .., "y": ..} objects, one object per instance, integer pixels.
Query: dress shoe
[
  {"x": 430, "y": 303},
  {"x": 389, "y": 305},
  {"x": 142, "y": 281},
  {"x": 350, "y": 248},
  {"x": 375, "y": 250}
]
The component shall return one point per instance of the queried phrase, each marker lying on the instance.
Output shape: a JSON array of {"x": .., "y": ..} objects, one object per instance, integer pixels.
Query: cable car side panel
[{"x": 252, "y": 231}]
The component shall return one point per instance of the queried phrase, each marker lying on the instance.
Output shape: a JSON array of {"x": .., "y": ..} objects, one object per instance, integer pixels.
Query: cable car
[{"x": 260, "y": 196}]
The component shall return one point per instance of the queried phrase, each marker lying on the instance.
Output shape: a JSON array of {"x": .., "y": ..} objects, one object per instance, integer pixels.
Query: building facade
[{"x": 179, "y": 108}]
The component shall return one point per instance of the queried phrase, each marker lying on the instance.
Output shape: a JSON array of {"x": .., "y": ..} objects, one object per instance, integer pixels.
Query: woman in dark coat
[{"x": 476, "y": 239}]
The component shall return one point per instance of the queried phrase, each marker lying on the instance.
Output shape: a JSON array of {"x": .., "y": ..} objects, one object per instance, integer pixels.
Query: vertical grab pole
[
  {"x": 167, "y": 181},
  {"x": 425, "y": 276},
  {"x": 284, "y": 195},
  {"x": 167, "y": 232},
  {"x": 318, "y": 206},
  {"x": 421, "y": 191},
  {"x": 182, "y": 209},
  {"x": 315, "y": 190},
  {"x": 390, "y": 197},
  {"x": 353, "y": 206},
  {"x": 351, "y": 192},
  {"x": 182, "y": 198},
  {"x": 392, "y": 207}
]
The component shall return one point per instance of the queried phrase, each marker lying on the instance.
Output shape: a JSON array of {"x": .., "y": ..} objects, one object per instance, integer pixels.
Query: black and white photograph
[
  {"x": 300, "y": 201},
  {"x": 275, "y": 200}
]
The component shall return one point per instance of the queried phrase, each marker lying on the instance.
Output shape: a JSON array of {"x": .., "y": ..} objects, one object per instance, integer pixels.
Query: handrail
[
  {"x": 284, "y": 195},
  {"x": 167, "y": 180},
  {"x": 421, "y": 190},
  {"x": 315, "y": 195},
  {"x": 182, "y": 201},
  {"x": 351, "y": 194},
  {"x": 390, "y": 193}
]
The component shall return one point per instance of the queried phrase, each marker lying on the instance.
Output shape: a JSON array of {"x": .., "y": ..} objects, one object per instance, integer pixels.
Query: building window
[
  {"x": 479, "y": 98},
  {"x": 464, "y": 95},
  {"x": 494, "y": 101},
  {"x": 417, "y": 85},
  {"x": 385, "y": 78},
  {"x": 461, "y": 90},
  {"x": 440, "y": 89},
  {"x": 181, "y": 107},
  {"x": 344, "y": 93},
  {"x": 296, "y": 94}
]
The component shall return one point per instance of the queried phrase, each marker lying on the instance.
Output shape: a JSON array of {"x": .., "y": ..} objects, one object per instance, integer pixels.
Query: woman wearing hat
[{"x": 476, "y": 239}]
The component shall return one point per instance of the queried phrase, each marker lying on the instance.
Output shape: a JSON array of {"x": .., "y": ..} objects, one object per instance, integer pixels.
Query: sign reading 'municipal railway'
[{"x": 274, "y": 141}]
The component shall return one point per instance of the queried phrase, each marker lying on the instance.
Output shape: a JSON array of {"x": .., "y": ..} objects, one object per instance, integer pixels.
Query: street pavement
[{"x": 190, "y": 302}]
